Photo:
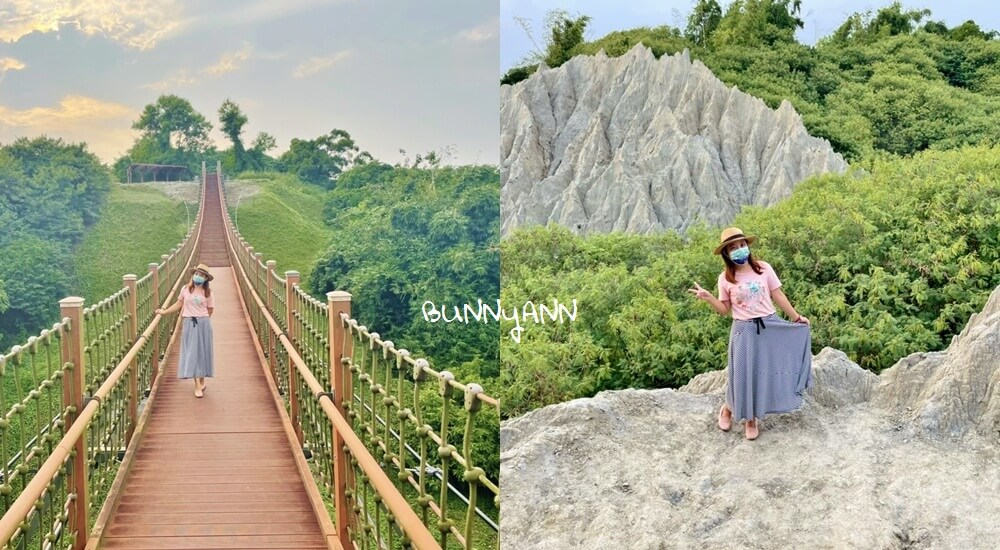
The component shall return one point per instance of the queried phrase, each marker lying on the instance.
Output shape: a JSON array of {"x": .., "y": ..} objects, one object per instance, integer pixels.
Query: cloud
[
  {"x": 316, "y": 64},
  {"x": 135, "y": 23},
  {"x": 71, "y": 108},
  {"x": 229, "y": 62},
  {"x": 247, "y": 13},
  {"x": 170, "y": 83},
  {"x": 481, "y": 33},
  {"x": 9, "y": 64},
  {"x": 104, "y": 125}
]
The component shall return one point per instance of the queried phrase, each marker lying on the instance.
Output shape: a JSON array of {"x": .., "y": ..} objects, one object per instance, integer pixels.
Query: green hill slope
[
  {"x": 282, "y": 218},
  {"x": 137, "y": 224}
]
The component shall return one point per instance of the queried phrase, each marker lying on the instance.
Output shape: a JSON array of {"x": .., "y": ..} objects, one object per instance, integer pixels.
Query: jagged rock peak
[{"x": 639, "y": 144}]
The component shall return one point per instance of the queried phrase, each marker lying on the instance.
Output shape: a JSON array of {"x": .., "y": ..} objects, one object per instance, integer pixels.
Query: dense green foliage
[
  {"x": 321, "y": 160},
  {"x": 393, "y": 237},
  {"x": 886, "y": 264},
  {"x": 882, "y": 82},
  {"x": 283, "y": 219},
  {"x": 50, "y": 193},
  {"x": 172, "y": 132},
  {"x": 403, "y": 236},
  {"x": 113, "y": 247}
]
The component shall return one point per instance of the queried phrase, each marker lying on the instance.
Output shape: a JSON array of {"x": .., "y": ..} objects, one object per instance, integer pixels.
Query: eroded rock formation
[{"x": 637, "y": 144}]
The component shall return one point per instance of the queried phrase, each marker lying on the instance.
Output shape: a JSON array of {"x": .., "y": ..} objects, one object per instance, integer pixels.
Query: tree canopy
[
  {"x": 322, "y": 159},
  {"x": 51, "y": 192},
  {"x": 172, "y": 132},
  {"x": 889, "y": 81}
]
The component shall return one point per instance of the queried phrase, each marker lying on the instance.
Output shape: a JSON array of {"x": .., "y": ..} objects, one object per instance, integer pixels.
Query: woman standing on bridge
[
  {"x": 769, "y": 366},
  {"x": 197, "y": 352}
]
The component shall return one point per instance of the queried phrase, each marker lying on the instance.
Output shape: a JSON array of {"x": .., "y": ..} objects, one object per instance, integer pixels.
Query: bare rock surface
[
  {"x": 909, "y": 458},
  {"x": 637, "y": 144}
]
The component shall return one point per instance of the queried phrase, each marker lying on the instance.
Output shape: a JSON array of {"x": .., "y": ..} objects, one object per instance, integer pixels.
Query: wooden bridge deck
[{"x": 220, "y": 471}]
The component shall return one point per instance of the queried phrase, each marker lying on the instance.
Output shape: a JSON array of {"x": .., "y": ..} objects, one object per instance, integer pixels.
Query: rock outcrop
[
  {"x": 906, "y": 459},
  {"x": 637, "y": 144}
]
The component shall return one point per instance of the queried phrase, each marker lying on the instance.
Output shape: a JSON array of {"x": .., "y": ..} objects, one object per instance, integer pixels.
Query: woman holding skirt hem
[
  {"x": 770, "y": 359},
  {"x": 197, "y": 350}
]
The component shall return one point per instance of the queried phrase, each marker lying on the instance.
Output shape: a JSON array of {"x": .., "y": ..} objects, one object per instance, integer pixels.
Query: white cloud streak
[
  {"x": 317, "y": 64},
  {"x": 10, "y": 64},
  {"x": 230, "y": 62},
  {"x": 480, "y": 33}
]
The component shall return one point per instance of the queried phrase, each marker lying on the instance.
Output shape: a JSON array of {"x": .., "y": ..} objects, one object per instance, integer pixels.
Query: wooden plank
[
  {"x": 198, "y": 542},
  {"x": 216, "y": 518},
  {"x": 121, "y": 529}
]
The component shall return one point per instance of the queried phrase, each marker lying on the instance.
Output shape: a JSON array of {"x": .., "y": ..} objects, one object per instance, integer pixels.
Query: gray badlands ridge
[
  {"x": 637, "y": 144},
  {"x": 905, "y": 459}
]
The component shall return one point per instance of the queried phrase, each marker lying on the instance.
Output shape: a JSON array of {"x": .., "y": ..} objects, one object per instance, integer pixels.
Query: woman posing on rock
[
  {"x": 769, "y": 358},
  {"x": 197, "y": 354}
]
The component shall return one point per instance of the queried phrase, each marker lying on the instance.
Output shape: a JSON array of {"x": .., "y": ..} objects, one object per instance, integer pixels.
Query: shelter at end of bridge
[{"x": 158, "y": 172}]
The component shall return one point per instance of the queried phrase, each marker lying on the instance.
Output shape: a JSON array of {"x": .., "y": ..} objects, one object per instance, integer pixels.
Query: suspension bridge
[{"x": 314, "y": 433}]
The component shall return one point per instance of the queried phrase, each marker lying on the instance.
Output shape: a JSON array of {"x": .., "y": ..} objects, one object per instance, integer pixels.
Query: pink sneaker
[{"x": 751, "y": 429}]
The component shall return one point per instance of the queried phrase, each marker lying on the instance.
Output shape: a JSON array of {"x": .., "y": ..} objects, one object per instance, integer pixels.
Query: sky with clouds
[
  {"x": 395, "y": 74},
  {"x": 821, "y": 17}
]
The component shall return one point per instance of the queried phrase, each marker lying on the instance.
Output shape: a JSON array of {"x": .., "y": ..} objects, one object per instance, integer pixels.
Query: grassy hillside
[
  {"x": 282, "y": 218},
  {"x": 137, "y": 224}
]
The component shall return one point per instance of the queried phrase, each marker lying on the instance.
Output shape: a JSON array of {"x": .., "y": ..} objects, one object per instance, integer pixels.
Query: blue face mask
[
  {"x": 198, "y": 279},
  {"x": 740, "y": 255}
]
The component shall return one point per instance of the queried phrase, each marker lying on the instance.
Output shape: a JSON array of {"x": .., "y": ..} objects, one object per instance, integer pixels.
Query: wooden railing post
[
  {"x": 203, "y": 171},
  {"x": 173, "y": 272},
  {"x": 251, "y": 271},
  {"x": 258, "y": 268},
  {"x": 133, "y": 376},
  {"x": 340, "y": 302},
  {"x": 271, "y": 344},
  {"x": 72, "y": 352},
  {"x": 155, "y": 363},
  {"x": 291, "y": 308}
]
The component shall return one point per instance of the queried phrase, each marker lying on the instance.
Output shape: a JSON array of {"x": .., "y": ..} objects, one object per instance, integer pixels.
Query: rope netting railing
[
  {"x": 70, "y": 400},
  {"x": 416, "y": 425}
]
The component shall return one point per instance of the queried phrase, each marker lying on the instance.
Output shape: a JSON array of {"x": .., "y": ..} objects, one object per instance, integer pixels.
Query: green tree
[
  {"x": 321, "y": 160},
  {"x": 257, "y": 157},
  {"x": 232, "y": 120},
  {"x": 758, "y": 23},
  {"x": 172, "y": 132},
  {"x": 50, "y": 191},
  {"x": 703, "y": 21},
  {"x": 173, "y": 123},
  {"x": 567, "y": 34},
  {"x": 889, "y": 21}
]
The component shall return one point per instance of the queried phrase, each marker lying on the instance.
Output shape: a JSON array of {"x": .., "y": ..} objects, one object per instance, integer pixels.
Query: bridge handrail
[
  {"x": 311, "y": 339},
  {"x": 419, "y": 536},
  {"x": 79, "y": 411}
]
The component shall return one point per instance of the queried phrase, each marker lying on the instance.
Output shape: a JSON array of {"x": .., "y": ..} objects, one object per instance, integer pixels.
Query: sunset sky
[{"x": 395, "y": 74}]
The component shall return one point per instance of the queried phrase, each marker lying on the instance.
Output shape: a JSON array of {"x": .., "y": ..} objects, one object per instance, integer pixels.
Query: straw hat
[
  {"x": 203, "y": 268},
  {"x": 731, "y": 234}
]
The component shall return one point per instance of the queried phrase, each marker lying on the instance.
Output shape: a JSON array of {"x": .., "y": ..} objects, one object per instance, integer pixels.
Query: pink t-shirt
[
  {"x": 751, "y": 295},
  {"x": 195, "y": 303}
]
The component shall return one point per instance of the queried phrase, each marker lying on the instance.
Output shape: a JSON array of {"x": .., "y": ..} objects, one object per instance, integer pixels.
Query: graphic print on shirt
[
  {"x": 197, "y": 300},
  {"x": 749, "y": 293}
]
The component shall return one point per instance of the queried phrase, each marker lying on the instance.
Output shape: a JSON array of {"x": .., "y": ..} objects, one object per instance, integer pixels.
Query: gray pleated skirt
[
  {"x": 770, "y": 366},
  {"x": 196, "y": 359}
]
